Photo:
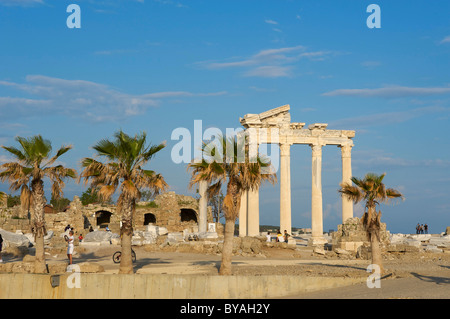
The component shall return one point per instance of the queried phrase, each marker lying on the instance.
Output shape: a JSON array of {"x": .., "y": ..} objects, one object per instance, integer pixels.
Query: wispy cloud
[
  {"x": 169, "y": 2},
  {"x": 21, "y": 3},
  {"x": 270, "y": 21},
  {"x": 390, "y": 92},
  {"x": 386, "y": 118},
  {"x": 269, "y": 62},
  {"x": 370, "y": 64},
  {"x": 377, "y": 159},
  {"x": 270, "y": 71},
  {"x": 445, "y": 40},
  {"x": 78, "y": 98}
]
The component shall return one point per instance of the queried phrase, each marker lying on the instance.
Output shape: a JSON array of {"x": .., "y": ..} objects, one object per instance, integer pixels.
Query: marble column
[
  {"x": 316, "y": 197},
  {"x": 253, "y": 213},
  {"x": 243, "y": 215},
  {"x": 285, "y": 188},
  {"x": 203, "y": 206},
  {"x": 347, "y": 204}
]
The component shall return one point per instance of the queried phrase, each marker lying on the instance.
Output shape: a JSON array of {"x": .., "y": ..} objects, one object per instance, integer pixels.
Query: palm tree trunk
[
  {"x": 227, "y": 250},
  {"x": 126, "y": 232},
  {"x": 372, "y": 225},
  {"x": 231, "y": 205},
  {"x": 376, "y": 251},
  {"x": 38, "y": 225}
]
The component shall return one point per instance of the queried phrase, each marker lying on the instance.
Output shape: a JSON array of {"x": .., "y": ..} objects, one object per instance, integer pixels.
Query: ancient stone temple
[{"x": 275, "y": 127}]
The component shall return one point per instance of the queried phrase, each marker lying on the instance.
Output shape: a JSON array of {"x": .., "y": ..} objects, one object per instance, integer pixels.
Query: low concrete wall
[{"x": 146, "y": 286}]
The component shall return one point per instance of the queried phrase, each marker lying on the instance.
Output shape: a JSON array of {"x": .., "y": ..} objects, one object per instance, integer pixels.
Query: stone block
[
  {"x": 402, "y": 248},
  {"x": 175, "y": 237},
  {"x": 341, "y": 251},
  {"x": 89, "y": 267},
  {"x": 207, "y": 235},
  {"x": 11, "y": 239},
  {"x": 57, "y": 267},
  {"x": 433, "y": 249}
]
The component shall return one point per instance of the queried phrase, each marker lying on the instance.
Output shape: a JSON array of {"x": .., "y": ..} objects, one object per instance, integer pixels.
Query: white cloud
[
  {"x": 78, "y": 98},
  {"x": 390, "y": 92},
  {"x": 271, "y": 21},
  {"x": 386, "y": 162},
  {"x": 169, "y": 2},
  {"x": 445, "y": 40},
  {"x": 269, "y": 62},
  {"x": 386, "y": 118},
  {"x": 371, "y": 64},
  {"x": 21, "y": 3},
  {"x": 269, "y": 71}
]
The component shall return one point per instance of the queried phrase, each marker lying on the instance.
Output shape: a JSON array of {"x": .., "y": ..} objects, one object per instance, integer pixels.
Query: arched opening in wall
[
  {"x": 188, "y": 215},
  {"x": 149, "y": 218},
  {"x": 103, "y": 218}
]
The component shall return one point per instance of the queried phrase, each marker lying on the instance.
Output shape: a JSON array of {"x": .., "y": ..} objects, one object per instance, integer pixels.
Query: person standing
[
  {"x": 286, "y": 236},
  {"x": 425, "y": 227},
  {"x": 1, "y": 246},
  {"x": 70, "y": 246}
]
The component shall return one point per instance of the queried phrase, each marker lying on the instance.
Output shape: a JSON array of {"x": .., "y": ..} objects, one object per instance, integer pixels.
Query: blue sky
[{"x": 157, "y": 65}]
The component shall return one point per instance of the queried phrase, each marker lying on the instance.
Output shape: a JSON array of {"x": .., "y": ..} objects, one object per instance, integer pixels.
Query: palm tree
[
  {"x": 27, "y": 173},
  {"x": 219, "y": 168},
  {"x": 373, "y": 192},
  {"x": 125, "y": 158}
]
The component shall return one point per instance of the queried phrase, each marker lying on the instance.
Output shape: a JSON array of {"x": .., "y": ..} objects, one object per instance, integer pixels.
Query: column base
[{"x": 317, "y": 241}]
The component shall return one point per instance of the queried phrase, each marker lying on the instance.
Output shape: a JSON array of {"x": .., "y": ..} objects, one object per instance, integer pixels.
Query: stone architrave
[{"x": 275, "y": 127}]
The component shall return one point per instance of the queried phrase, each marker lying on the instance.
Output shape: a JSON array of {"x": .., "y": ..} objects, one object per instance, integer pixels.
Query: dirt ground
[{"x": 407, "y": 275}]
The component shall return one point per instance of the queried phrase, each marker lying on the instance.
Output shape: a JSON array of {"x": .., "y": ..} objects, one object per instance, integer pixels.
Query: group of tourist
[
  {"x": 421, "y": 229},
  {"x": 281, "y": 238}
]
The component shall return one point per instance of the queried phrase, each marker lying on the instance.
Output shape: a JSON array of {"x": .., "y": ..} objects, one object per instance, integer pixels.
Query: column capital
[
  {"x": 285, "y": 149},
  {"x": 316, "y": 150},
  {"x": 346, "y": 150}
]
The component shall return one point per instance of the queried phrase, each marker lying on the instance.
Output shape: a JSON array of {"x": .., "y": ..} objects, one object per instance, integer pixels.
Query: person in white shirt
[
  {"x": 269, "y": 238},
  {"x": 280, "y": 237},
  {"x": 69, "y": 240}
]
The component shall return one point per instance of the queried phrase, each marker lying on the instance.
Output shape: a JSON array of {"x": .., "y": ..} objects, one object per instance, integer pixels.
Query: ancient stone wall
[
  {"x": 351, "y": 235},
  {"x": 170, "y": 210}
]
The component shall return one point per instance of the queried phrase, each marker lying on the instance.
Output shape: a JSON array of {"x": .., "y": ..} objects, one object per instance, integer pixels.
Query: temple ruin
[{"x": 275, "y": 126}]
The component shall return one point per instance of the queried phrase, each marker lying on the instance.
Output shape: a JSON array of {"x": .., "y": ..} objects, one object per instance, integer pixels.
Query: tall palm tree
[
  {"x": 373, "y": 192},
  {"x": 219, "y": 168},
  {"x": 27, "y": 173},
  {"x": 125, "y": 158}
]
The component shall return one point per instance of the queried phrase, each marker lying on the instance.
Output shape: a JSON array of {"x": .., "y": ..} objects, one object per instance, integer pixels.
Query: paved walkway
[{"x": 417, "y": 287}]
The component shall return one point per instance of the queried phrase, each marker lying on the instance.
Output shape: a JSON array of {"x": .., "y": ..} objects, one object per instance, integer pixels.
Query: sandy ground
[{"x": 410, "y": 275}]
